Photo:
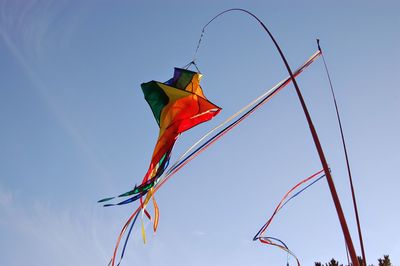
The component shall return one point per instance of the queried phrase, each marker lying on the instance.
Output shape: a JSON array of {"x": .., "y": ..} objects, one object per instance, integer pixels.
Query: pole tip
[{"x": 319, "y": 47}]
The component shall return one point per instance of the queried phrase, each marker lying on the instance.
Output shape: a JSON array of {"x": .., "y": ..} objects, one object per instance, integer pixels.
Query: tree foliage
[{"x": 385, "y": 261}]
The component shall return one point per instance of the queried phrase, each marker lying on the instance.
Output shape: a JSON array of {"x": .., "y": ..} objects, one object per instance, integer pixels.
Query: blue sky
[{"x": 75, "y": 128}]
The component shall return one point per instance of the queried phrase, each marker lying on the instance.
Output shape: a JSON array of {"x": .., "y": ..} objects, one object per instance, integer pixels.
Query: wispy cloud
[
  {"x": 33, "y": 25},
  {"x": 33, "y": 231},
  {"x": 5, "y": 198},
  {"x": 50, "y": 235},
  {"x": 25, "y": 29},
  {"x": 199, "y": 233}
]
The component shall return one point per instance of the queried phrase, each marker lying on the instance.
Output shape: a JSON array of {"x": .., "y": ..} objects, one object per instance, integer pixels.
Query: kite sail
[{"x": 177, "y": 105}]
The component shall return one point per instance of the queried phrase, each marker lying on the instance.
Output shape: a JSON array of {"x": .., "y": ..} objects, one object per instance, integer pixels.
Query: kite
[{"x": 177, "y": 105}]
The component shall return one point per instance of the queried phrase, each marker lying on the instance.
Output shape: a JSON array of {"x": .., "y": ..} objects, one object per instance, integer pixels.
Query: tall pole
[
  {"x": 314, "y": 134},
  {"x": 353, "y": 194}
]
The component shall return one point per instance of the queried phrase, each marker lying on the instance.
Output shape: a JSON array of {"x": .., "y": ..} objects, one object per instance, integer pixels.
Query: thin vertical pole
[{"x": 353, "y": 194}]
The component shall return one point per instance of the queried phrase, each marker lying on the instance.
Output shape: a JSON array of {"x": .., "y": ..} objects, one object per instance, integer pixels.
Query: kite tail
[
  {"x": 239, "y": 116},
  {"x": 151, "y": 179},
  {"x": 121, "y": 234},
  {"x": 127, "y": 238},
  {"x": 270, "y": 241},
  {"x": 286, "y": 198},
  {"x": 132, "y": 220}
]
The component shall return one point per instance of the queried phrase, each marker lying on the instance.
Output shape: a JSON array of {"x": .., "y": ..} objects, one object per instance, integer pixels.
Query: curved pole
[{"x": 314, "y": 134}]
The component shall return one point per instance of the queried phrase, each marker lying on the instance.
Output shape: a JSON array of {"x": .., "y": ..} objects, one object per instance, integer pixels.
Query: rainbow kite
[{"x": 177, "y": 105}]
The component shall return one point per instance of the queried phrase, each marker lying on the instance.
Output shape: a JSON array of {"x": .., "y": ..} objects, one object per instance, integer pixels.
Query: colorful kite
[{"x": 177, "y": 105}]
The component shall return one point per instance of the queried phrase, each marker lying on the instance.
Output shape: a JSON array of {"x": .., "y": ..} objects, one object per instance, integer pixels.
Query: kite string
[
  {"x": 208, "y": 23},
  {"x": 346, "y": 156},
  {"x": 198, "y": 44}
]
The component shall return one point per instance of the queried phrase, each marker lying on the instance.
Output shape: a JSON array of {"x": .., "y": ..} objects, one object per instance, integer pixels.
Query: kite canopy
[
  {"x": 178, "y": 105},
  {"x": 179, "y": 102}
]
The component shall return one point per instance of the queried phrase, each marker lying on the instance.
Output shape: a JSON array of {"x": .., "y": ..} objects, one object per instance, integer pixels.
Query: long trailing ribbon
[
  {"x": 286, "y": 198},
  {"x": 253, "y": 105},
  {"x": 194, "y": 151}
]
